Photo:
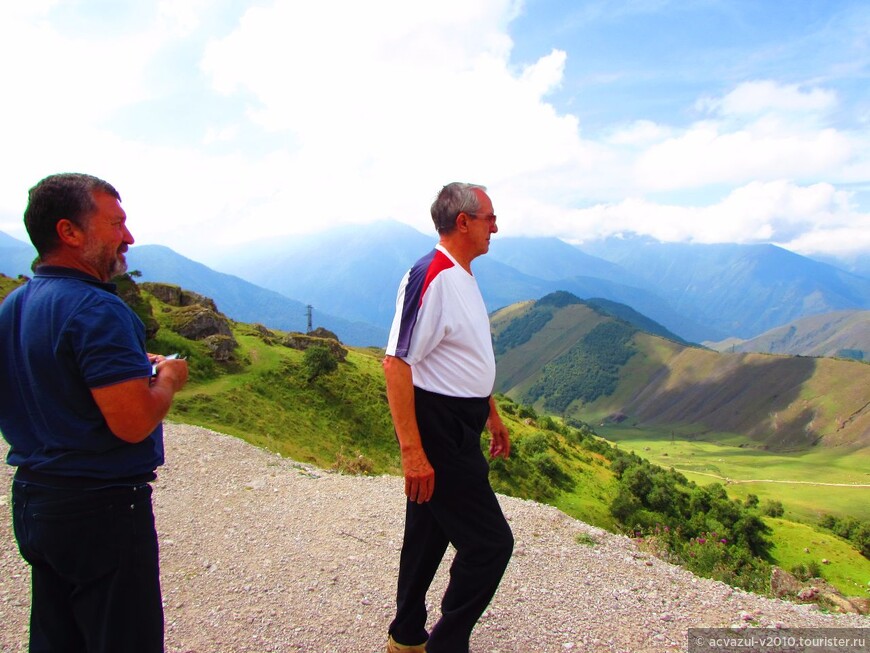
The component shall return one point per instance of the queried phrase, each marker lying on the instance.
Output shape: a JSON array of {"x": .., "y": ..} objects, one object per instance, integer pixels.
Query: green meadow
[
  {"x": 809, "y": 484},
  {"x": 840, "y": 564}
]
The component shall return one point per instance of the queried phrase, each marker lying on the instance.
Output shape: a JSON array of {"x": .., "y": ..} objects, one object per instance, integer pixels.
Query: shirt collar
[{"x": 59, "y": 272}]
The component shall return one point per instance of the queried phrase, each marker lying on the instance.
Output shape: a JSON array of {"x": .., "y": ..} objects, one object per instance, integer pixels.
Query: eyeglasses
[{"x": 491, "y": 218}]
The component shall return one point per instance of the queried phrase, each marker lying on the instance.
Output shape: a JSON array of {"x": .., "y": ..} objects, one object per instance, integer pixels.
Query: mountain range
[
  {"x": 567, "y": 357},
  {"x": 696, "y": 293},
  {"x": 841, "y": 334}
]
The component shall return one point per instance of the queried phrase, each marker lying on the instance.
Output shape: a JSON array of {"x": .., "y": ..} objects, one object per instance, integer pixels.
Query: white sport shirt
[{"x": 441, "y": 328}]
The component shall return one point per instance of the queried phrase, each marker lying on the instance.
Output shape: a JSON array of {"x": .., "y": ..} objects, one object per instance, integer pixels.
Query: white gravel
[{"x": 262, "y": 554}]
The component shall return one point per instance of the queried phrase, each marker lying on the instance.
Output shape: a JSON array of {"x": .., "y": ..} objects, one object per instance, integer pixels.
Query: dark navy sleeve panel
[{"x": 420, "y": 277}]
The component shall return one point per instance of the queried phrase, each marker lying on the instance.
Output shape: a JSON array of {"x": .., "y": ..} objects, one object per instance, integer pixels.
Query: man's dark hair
[
  {"x": 454, "y": 198},
  {"x": 67, "y": 195}
]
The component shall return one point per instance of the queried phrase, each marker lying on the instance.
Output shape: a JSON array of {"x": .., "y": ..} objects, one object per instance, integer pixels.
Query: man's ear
[
  {"x": 69, "y": 233},
  {"x": 462, "y": 222}
]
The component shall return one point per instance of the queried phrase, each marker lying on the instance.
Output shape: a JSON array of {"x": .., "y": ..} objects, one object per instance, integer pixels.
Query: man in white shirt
[{"x": 440, "y": 371}]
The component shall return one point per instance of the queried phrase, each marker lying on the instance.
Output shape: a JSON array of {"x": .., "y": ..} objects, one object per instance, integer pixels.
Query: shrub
[
  {"x": 527, "y": 412},
  {"x": 318, "y": 361},
  {"x": 534, "y": 443},
  {"x": 772, "y": 508},
  {"x": 714, "y": 558}
]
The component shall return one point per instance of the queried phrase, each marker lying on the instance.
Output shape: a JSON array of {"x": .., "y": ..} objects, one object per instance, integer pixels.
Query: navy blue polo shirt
[{"x": 61, "y": 334}]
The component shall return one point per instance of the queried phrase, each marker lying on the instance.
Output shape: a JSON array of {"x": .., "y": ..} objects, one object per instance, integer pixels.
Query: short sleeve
[{"x": 108, "y": 342}]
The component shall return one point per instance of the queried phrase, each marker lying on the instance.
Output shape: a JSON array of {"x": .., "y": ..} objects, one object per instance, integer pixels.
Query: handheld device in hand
[{"x": 154, "y": 365}]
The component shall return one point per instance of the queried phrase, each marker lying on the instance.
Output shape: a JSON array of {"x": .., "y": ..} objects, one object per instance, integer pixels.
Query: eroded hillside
[{"x": 563, "y": 357}]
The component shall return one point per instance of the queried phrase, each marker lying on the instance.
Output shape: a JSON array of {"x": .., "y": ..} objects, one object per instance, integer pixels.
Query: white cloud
[
  {"x": 708, "y": 154},
  {"x": 764, "y": 96},
  {"x": 360, "y": 111},
  {"x": 640, "y": 133},
  {"x": 809, "y": 219},
  {"x": 421, "y": 96}
]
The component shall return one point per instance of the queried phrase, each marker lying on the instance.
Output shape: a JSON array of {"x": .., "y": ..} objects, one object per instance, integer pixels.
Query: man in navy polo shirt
[
  {"x": 440, "y": 371},
  {"x": 83, "y": 414}
]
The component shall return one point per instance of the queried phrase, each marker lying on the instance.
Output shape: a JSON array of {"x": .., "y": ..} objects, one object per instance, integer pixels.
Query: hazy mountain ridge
[
  {"x": 843, "y": 334},
  {"x": 350, "y": 274},
  {"x": 780, "y": 402},
  {"x": 739, "y": 290},
  {"x": 240, "y": 299}
]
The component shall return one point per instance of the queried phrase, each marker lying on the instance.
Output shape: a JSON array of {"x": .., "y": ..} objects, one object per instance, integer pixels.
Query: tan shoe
[{"x": 394, "y": 647}]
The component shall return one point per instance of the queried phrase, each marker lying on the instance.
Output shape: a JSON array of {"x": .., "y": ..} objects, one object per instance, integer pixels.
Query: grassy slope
[
  {"x": 7, "y": 285},
  {"x": 796, "y": 544},
  {"x": 341, "y": 420},
  {"x": 269, "y": 402},
  {"x": 712, "y": 417},
  {"x": 779, "y": 402},
  {"x": 827, "y": 334}
]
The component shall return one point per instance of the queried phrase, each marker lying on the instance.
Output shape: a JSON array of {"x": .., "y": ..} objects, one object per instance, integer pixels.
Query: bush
[
  {"x": 699, "y": 526},
  {"x": 849, "y": 528},
  {"x": 527, "y": 412},
  {"x": 804, "y": 572},
  {"x": 318, "y": 361},
  {"x": 772, "y": 508},
  {"x": 713, "y": 558},
  {"x": 534, "y": 443}
]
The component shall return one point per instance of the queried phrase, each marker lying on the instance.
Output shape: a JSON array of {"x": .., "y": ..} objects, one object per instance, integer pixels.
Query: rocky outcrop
[
  {"x": 266, "y": 335},
  {"x": 320, "y": 332},
  {"x": 221, "y": 347},
  {"x": 196, "y": 317},
  {"x": 177, "y": 296},
  {"x": 302, "y": 342},
  {"x": 128, "y": 290},
  {"x": 814, "y": 590},
  {"x": 198, "y": 322}
]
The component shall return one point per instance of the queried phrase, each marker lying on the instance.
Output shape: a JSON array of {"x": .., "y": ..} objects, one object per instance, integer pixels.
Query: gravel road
[{"x": 262, "y": 554}]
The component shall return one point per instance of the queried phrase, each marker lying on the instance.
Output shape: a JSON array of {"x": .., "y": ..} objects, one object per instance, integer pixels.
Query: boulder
[
  {"x": 198, "y": 322},
  {"x": 176, "y": 296},
  {"x": 301, "y": 342},
  {"x": 320, "y": 332},
  {"x": 783, "y": 583},
  {"x": 221, "y": 347}
]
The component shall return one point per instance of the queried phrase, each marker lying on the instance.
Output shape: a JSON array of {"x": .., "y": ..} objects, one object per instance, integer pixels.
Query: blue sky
[{"x": 222, "y": 122}]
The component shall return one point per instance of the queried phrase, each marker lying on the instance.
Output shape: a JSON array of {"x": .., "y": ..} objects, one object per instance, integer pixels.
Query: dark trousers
[
  {"x": 463, "y": 512},
  {"x": 94, "y": 568}
]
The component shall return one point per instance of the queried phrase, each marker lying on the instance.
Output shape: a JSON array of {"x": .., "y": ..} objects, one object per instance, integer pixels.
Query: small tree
[
  {"x": 318, "y": 361},
  {"x": 772, "y": 508}
]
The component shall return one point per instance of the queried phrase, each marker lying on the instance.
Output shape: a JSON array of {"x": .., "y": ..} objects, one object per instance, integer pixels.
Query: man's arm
[
  {"x": 419, "y": 475},
  {"x": 500, "y": 444},
  {"x": 134, "y": 408}
]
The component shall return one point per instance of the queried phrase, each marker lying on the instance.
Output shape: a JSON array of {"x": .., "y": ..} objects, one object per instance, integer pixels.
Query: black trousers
[
  {"x": 94, "y": 568},
  {"x": 463, "y": 512}
]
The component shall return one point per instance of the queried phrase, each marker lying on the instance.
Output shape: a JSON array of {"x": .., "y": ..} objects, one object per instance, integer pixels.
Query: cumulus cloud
[
  {"x": 315, "y": 114},
  {"x": 708, "y": 154},
  {"x": 808, "y": 219},
  {"x": 764, "y": 96}
]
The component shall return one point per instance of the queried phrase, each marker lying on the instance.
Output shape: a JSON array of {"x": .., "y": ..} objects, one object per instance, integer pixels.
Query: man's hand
[
  {"x": 419, "y": 475},
  {"x": 500, "y": 443},
  {"x": 172, "y": 371}
]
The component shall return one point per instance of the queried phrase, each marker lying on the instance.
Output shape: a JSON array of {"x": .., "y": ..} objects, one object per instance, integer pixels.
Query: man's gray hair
[{"x": 455, "y": 198}]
